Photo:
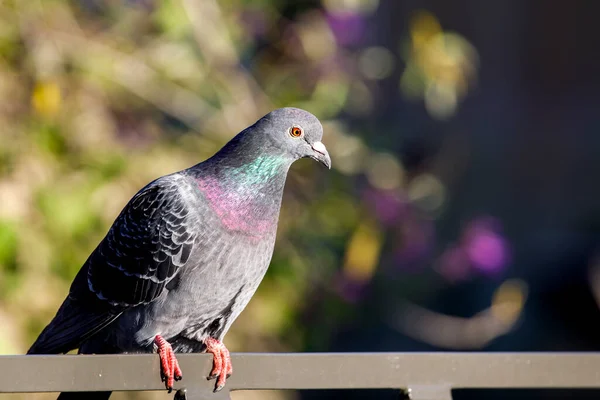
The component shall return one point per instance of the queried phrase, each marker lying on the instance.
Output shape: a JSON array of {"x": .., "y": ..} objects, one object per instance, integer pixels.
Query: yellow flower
[{"x": 46, "y": 98}]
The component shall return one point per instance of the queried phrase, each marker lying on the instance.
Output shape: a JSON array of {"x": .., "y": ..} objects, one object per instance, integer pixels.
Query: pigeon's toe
[
  {"x": 222, "y": 368},
  {"x": 170, "y": 371}
]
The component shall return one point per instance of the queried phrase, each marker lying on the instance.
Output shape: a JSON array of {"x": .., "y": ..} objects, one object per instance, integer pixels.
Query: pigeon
[{"x": 186, "y": 254}]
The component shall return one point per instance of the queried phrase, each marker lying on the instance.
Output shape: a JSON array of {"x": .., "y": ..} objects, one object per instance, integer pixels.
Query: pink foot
[
  {"x": 168, "y": 363},
  {"x": 222, "y": 368}
]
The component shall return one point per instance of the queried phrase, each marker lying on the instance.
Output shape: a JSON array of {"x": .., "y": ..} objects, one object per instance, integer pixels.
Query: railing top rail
[{"x": 305, "y": 371}]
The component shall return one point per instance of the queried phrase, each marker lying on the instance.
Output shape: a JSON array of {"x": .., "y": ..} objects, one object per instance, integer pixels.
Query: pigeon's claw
[
  {"x": 169, "y": 366},
  {"x": 222, "y": 368}
]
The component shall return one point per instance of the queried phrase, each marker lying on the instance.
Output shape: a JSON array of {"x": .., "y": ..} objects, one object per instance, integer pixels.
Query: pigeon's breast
[{"x": 208, "y": 294}]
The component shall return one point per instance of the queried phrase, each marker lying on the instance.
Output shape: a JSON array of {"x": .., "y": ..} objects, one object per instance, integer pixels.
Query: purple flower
[
  {"x": 454, "y": 264},
  {"x": 255, "y": 22},
  {"x": 389, "y": 205},
  {"x": 486, "y": 248},
  {"x": 349, "y": 289},
  {"x": 348, "y": 27},
  {"x": 481, "y": 248}
]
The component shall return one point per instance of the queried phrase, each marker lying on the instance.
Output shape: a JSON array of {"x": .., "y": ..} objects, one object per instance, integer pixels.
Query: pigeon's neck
[{"x": 245, "y": 195}]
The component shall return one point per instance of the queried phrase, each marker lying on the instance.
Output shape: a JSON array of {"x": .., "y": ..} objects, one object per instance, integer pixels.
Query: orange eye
[{"x": 295, "y": 131}]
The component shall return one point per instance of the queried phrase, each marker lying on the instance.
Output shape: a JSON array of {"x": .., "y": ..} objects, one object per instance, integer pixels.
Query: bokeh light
[{"x": 441, "y": 67}]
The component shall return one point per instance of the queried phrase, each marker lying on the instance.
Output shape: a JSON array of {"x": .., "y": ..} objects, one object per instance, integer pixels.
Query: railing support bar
[
  {"x": 430, "y": 393},
  {"x": 201, "y": 394}
]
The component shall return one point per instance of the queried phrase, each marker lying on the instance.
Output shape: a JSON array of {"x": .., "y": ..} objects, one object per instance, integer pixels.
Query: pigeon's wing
[
  {"x": 151, "y": 239},
  {"x": 148, "y": 243}
]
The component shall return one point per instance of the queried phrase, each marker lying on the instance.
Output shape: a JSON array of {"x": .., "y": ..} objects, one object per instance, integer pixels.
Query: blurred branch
[
  {"x": 450, "y": 332},
  {"x": 210, "y": 32},
  {"x": 458, "y": 333},
  {"x": 139, "y": 78},
  {"x": 212, "y": 36},
  {"x": 127, "y": 71}
]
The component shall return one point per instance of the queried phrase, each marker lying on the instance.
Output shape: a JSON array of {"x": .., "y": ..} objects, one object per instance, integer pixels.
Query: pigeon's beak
[{"x": 321, "y": 154}]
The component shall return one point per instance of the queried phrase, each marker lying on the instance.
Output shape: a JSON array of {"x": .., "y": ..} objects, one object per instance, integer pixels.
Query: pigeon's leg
[
  {"x": 168, "y": 363},
  {"x": 222, "y": 368}
]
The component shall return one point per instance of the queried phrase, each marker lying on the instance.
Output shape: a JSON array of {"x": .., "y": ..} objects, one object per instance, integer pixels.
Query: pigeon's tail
[
  {"x": 84, "y": 396},
  {"x": 79, "y": 317},
  {"x": 73, "y": 324}
]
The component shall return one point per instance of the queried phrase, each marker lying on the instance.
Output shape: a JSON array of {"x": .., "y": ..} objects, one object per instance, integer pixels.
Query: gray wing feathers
[{"x": 148, "y": 243}]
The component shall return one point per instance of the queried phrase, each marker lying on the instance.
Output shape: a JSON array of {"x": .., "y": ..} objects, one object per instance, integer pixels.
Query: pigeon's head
[{"x": 296, "y": 133}]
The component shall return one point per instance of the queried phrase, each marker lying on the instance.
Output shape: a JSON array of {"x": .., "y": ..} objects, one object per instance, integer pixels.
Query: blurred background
[{"x": 462, "y": 210}]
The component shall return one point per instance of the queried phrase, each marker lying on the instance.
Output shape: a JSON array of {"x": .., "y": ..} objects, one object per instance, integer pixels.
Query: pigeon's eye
[{"x": 295, "y": 131}]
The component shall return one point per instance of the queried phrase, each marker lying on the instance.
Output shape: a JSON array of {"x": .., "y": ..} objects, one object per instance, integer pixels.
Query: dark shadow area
[{"x": 528, "y": 394}]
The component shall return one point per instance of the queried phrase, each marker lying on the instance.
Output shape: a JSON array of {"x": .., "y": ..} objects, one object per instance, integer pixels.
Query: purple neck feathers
[{"x": 246, "y": 197}]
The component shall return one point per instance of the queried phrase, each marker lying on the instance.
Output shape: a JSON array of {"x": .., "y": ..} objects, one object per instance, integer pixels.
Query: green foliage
[{"x": 8, "y": 247}]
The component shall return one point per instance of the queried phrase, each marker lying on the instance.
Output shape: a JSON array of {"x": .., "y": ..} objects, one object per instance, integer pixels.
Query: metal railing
[{"x": 426, "y": 376}]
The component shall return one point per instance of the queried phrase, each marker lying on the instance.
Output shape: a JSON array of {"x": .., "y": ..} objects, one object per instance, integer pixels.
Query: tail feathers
[
  {"x": 84, "y": 396},
  {"x": 73, "y": 324}
]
